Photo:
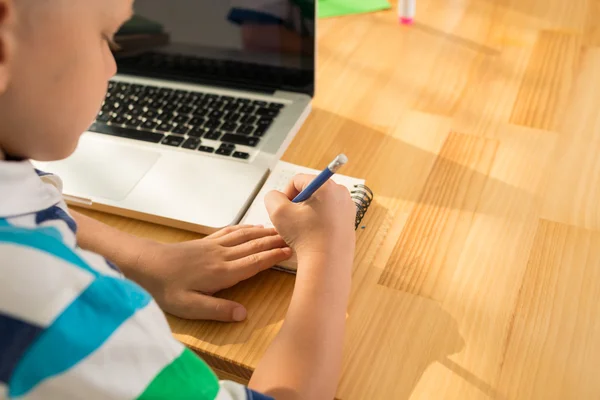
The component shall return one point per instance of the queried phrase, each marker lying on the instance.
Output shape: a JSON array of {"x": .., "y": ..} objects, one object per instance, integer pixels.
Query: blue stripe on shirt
[
  {"x": 41, "y": 173},
  {"x": 81, "y": 329},
  {"x": 56, "y": 213},
  {"x": 46, "y": 240},
  {"x": 252, "y": 395},
  {"x": 15, "y": 338}
]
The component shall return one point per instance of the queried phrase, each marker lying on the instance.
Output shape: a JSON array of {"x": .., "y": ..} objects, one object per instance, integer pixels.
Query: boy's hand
[
  {"x": 182, "y": 277},
  {"x": 323, "y": 225}
]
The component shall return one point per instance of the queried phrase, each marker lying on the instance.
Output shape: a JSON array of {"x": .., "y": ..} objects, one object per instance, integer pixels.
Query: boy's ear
[{"x": 6, "y": 41}]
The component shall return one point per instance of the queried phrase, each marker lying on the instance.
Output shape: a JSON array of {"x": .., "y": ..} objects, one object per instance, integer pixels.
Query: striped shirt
[{"x": 71, "y": 326}]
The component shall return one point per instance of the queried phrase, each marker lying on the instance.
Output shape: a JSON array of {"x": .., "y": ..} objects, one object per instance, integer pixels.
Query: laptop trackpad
[{"x": 101, "y": 168}]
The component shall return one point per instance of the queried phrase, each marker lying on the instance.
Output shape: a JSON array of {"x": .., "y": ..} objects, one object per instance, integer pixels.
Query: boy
[{"x": 71, "y": 326}]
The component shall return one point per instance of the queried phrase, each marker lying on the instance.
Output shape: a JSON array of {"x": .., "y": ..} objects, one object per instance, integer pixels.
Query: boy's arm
[
  {"x": 182, "y": 277},
  {"x": 304, "y": 360},
  {"x": 117, "y": 246}
]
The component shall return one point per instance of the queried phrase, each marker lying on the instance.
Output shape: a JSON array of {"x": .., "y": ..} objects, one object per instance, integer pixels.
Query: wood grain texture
[
  {"x": 573, "y": 194},
  {"x": 548, "y": 80},
  {"x": 563, "y": 263},
  {"x": 426, "y": 255},
  {"x": 477, "y": 273}
]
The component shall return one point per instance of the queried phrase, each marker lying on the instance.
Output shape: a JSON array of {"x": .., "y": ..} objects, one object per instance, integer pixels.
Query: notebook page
[{"x": 279, "y": 178}]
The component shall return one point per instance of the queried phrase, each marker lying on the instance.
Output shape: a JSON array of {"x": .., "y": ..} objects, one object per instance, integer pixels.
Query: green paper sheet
[{"x": 334, "y": 8}]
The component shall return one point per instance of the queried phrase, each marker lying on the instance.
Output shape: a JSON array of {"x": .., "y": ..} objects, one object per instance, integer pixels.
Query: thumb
[
  {"x": 201, "y": 306},
  {"x": 275, "y": 200}
]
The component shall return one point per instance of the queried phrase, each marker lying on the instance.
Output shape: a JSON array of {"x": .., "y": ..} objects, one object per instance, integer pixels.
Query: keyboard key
[
  {"x": 181, "y": 130},
  {"x": 215, "y": 114},
  {"x": 174, "y": 141},
  {"x": 181, "y": 93},
  {"x": 118, "y": 120},
  {"x": 207, "y": 149},
  {"x": 259, "y": 103},
  {"x": 123, "y": 87},
  {"x": 165, "y": 116},
  {"x": 185, "y": 110},
  {"x": 267, "y": 112},
  {"x": 197, "y": 132},
  {"x": 201, "y": 112},
  {"x": 193, "y": 98},
  {"x": 196, "y": 121},
  {"x": 212, "y": 135},
  {"x": 232, "y": 117},
  {"x": 165, "y": 91},
  {"x": 212, "y": 123},
  {"x": 150, "y": 91},
  {"x": 149, "y": 125},
  {"x": 168, "y": 106},
  {"x": 229, "y": 126},
  {"x": 133, "y": 122},
  {"x": 231, "y": 106},
  {"x": 224, "y": 151},
  {"x": 248, "y": 119},
  {"x": 227, "y": 146},
  {"x": 148, "y": 101},
  {"x": 241, "y": 155},
  {"x": 247, "y": 109},
  {"x": 276, "y": 106},
  {"x": 103, "y": 117},
  {"x": 135, "y": 111},
  {"x": 239, "y": 139},
  {"x": 150, "y": 114},
  {"x": 127, "y": 133},
  {"x": 244, "y": 101},
  {"x": 212, "y": 96},
  {"x": 136, "y": 88},
  {"x": 245, "y": 129},
  {"x": 265, "y": 122},
  {"x": 181, "y": 119},
  {"x": 191, "y": 144},
  {"x": 260, "y": 130},
  {"x": 227, "y": 98}
]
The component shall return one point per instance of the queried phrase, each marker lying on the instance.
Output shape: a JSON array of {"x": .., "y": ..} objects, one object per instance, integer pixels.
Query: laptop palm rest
[{"x": 103, "y": 169}]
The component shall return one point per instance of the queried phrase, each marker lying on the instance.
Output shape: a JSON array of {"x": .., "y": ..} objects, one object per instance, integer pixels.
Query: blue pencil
[{"x": 321, "y": 179}]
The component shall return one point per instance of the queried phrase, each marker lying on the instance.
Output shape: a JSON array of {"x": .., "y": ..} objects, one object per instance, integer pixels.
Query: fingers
[
  {"x": 194, "y": 305},
  {"x": 255, "y": 246},
  {"x": 251, "y": 265},
  {"x": 297, "y": 184},
  {"x": 243, "y": 235},
  {"x": 227, "y": 230},
  {"x": 275, "y": 200}
]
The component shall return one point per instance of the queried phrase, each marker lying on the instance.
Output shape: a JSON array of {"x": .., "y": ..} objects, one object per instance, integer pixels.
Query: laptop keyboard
[{"x": 193, "y": 121}]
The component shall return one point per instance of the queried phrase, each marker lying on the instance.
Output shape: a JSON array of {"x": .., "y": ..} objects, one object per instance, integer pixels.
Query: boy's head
[{"x": 55, "y": 62}]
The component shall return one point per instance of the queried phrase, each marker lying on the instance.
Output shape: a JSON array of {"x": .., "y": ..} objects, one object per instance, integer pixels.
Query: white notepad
[{"x": 279, "y": 178}]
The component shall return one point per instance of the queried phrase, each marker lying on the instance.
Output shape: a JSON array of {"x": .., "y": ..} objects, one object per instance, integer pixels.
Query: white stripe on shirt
[
  {"x": 122, "y": 368},
  {"x": 48, "y": 283}
]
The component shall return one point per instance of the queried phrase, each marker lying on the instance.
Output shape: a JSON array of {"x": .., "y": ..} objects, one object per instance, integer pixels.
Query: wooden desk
[{"x": 478, "y": 272}]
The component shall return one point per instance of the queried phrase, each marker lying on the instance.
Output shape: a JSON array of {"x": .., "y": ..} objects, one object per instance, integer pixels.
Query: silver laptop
[{"x": 209, "y": 95}]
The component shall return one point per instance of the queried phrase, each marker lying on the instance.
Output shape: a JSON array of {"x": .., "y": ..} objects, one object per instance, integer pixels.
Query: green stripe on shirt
[{"x": 187, "y": 377}]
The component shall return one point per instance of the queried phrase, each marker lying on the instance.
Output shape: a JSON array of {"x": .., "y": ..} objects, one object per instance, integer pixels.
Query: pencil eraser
[{"x": 406, "y": 21}]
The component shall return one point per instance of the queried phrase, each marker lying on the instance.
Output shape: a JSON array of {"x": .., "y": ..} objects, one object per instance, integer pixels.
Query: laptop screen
[{"x": 245, "y": 44}]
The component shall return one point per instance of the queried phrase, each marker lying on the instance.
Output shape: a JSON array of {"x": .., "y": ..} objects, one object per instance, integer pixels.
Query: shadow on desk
[{"x": 448, "y": 170}]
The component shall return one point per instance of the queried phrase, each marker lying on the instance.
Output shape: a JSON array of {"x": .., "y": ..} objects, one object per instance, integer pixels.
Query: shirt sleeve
[{"x": 68, "y": 331}]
